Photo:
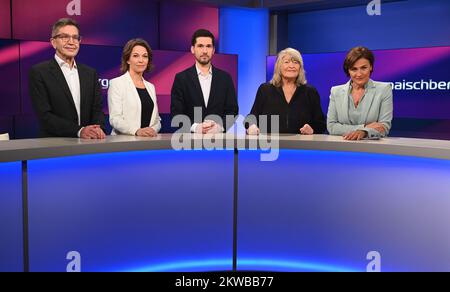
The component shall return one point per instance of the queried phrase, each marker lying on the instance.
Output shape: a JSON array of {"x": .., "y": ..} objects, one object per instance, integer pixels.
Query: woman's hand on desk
[
  {"x": 376, "y": 126},
  {"x": 146, "y": 132},
  {"x": 253, "y": 130},
  {"x": 306, "y": 130},
  {"x": 355, "y": 135}
]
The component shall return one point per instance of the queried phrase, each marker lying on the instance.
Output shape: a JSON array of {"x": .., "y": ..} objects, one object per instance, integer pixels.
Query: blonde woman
[{"x": 287, "y": 96}]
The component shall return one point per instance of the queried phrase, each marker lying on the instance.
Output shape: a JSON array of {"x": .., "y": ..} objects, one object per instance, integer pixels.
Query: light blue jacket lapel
[
  {"x": 344, "y": 103},
  {"x": 369, "y": 95}
]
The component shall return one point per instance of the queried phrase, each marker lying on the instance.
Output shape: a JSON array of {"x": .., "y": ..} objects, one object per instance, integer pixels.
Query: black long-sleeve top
[
  {"x": 146, "y": 107},
  {"x": 304, "y": 108}
]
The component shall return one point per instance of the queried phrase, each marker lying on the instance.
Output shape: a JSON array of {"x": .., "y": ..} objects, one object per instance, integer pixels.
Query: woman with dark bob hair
[
  {"x": 361, "y": 108},
  {"x": 133, "y": 109}
]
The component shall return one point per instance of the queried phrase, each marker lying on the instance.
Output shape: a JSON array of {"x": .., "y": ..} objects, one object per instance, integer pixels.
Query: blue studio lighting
[{"x": 245, "y": 264}]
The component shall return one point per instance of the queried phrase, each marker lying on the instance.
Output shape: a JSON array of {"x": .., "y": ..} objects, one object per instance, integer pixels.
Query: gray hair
[
  {"x": 64, "y": 22},
  {"x": 294, "y": 55}
]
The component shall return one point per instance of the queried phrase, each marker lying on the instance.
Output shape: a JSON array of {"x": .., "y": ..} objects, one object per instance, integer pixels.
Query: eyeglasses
[{"x": 65, "y": 37}]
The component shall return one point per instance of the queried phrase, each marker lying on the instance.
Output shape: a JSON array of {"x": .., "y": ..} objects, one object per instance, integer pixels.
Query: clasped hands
[
  {"x": 92, "y": 132},
  {"x": 146, "y": 132}
]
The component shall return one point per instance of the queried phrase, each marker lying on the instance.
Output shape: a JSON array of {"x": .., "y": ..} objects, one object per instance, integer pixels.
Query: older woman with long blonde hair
[{"x": 289, "y": 97}]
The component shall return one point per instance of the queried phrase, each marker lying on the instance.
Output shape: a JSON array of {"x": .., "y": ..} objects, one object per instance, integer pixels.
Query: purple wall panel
[
  {"x": 7, "y": 125},
  {"x": 228, "y": 63},
  {"x": 104, "y": 22},
  {"x": 179, "y": 20},
  {"x": 5, "y": 19},
  {"x": 9, "y": 77},
  {"x": 31, "y": 53}
]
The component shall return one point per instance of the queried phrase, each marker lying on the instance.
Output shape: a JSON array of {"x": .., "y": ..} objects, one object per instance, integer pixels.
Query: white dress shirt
[
  {"x": 205, "y": 84},
  {"x": 73, "y": 81}
]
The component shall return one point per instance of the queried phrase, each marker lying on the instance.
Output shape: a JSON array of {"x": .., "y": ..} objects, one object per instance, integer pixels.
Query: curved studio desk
[{"x": 135, "y": 204}]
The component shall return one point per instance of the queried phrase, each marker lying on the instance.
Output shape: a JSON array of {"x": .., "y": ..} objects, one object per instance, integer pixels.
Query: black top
[
  {"x": 304, "y": 108},
  {"x": 53, "y": 102},
  {"x": 146, "y": 107},
  {"x": 186, "y": 95}
]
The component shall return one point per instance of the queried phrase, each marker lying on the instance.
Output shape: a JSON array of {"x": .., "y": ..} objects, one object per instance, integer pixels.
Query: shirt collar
[
  {"x": 200, "y": 72},
  {"x": 367, "y": 85},
  {"x": 61, "y": 62}
]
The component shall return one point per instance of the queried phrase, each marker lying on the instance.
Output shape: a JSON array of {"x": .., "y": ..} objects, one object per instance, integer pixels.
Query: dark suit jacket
[
  {"x": 304, "y": 108},
  {"x": 53, "y": 102},
  {"x": 187, "y": 94}
]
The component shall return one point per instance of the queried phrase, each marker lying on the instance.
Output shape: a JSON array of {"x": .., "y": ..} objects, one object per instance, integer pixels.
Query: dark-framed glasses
[{"x": 65, "y": 37}]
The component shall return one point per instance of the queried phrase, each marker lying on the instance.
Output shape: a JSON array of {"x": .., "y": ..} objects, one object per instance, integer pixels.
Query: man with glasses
[{"x": 66, "y": 95}]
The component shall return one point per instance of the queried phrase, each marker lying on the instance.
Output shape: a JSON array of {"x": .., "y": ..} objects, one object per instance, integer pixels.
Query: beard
[{"x": 204, "y": 61}]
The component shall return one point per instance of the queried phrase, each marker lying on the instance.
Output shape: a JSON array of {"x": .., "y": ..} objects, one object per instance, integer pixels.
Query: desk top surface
[{"x": 28, "y": 149}]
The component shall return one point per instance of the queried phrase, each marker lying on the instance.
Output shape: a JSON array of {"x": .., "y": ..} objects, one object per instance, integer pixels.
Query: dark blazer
[
  {"x": 187, "y": 94},
  {"x": 53, "y": 102},
  {"x": 304, "y": 108}
]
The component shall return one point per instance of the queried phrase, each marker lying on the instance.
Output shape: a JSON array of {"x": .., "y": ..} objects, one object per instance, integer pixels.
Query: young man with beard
[{"x": 204, "y": 90}]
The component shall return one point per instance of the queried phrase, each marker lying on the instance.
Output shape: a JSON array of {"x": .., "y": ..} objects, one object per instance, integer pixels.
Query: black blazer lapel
[
  {"x": 59, "y": 76},
  {"x": 197, "y": 88}
]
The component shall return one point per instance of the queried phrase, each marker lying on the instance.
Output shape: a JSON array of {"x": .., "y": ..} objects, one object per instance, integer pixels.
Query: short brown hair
[
  {"x": 64, "y": 22},
  {"x": 202, "y": 33},
  {"x": 126, "y": 53},
  {"x": 354, "y": 55}
]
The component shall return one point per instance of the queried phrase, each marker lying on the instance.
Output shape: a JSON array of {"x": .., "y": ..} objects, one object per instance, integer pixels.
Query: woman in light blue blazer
[
  {"x": 133, "y": 109},
  {"x": 361, "y": 108}
]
